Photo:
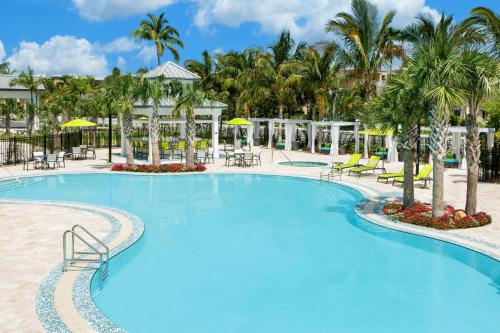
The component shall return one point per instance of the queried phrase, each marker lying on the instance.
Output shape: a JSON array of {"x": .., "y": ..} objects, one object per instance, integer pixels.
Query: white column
[
  {"x": 215, "y": 136},
  {"x": 250, "y": 134},
  {"x": 457, "y": 143},
  {"x": 392, "y": 152},
  {"x": 256, "y": 130},
  {"x": 235, "y": 132},
  {"x": 271, "y": 134},
  {"x": 366, "y": 145},
  {"x": 150, "y": 150},
  {"x": 490, "y": 140},
  {"x": 183, "y": 129},
  {"x": 309, "y": 135},
  {"x": 335, "y": 140},
  {"x": 313, "y": 137},
  {"x": 356, "y": 138},
  {"x": 288, "y": 136}
]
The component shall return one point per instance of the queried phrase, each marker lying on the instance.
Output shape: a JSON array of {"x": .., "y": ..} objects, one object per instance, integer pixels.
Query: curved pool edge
[
  {"x": 369, "y": 209},
  {"x": 48, "y": 312}
]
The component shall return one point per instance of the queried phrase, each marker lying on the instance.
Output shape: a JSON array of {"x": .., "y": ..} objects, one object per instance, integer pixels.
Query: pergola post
[
  {"x": 356, "y": 138},
  {"x": 215, "y": 135},
  {"x": 183, "y": 129},
  {"x": 366, "y": 146},
  {"x": 392, "y": 152},
  {"x": 122, "y": 136},
  {"x": 256, "y": 130},
  {"x": 288, "y": 137},
  {"x": 334, "y": 151},
  {"x": 490, "y": 140},
  {"x": 271, "y": 134},
  {"x": 309, "y": 135},
  {"x": 457, "y": 143},
  {"x": 313, "y": 137},
  {"x": 250, "y": 134}
]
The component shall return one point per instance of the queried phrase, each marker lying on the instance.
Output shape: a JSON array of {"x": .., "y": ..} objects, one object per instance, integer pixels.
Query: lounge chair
[
  {"x": 371, "y": 165},
  {"x": 337, "y": 169},
  {"x": 387, "y": 176},
  {"x": 423, "y": 176},
  {"x": 325, "y": 149}
]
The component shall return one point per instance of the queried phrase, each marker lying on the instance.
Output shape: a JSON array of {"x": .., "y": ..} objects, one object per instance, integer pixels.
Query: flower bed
[
  {"x": 421, "y": 214},
  {"x": 148, "y": 168}
]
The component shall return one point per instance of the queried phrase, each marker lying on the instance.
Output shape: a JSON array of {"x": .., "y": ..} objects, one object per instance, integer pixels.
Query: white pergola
[
  {"x": 334, "y": 134},
  {"x": 457, "y": 145},
  {"x": 209, "y": 109}
]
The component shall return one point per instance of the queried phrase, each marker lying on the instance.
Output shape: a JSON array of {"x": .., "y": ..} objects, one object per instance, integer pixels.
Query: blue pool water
[{"x": 245, "y": 253}]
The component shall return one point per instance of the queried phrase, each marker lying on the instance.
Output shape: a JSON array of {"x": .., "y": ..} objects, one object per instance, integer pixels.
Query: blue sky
[{"x": 92, "y": 36}]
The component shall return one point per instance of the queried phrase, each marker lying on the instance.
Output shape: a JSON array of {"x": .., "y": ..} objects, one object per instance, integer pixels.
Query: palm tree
[
  {"x": 158, "y": 30},
  {"x": 365, "y": 40},
  {"x": 5, "y": 69},
  {"x": 120, "y": 93},
  {"x": 28, "y": 80},
  {"x": 153, "y": 91},
  {"x": 436, "y": 68},
  {"x": 482, "y": 77},
  {"x": 487, "y": 22},
  {"x": 8, "y": 108},
  {"x": 205, "y": 69},
  {"x": 190, "y": 96}
]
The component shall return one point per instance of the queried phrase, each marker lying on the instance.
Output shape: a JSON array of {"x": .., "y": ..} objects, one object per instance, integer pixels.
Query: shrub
[
  {"x": 117, "y": 167},
  {"x": 200, "y": 168},
  {"x": 164, "y": 168},
  {"x": 442, "y": 222}
]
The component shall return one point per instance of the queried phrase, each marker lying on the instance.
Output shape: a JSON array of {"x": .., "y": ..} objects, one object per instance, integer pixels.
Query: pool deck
[{"x": 30, "y": 235}]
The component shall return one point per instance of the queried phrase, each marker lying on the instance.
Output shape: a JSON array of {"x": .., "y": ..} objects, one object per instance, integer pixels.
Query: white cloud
[
  {"x": 60, "y": 55},
  {"x": 120, "y": 62},
  {"x": 122, "y": 44},
  {"x": 147, "y": 54},
  {"x": 305, "y": 19},
  {"x": 101, "y": 10}
]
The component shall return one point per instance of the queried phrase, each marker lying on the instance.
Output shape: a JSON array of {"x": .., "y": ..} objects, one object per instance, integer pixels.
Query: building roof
[
  {"x": 172, "y": 71},
  {"x": 5, "y": 83}
]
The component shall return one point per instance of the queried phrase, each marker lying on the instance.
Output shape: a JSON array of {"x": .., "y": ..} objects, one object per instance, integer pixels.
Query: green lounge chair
[
  {"x": 371, "y": 165},
  {"x": 337, "y": 169},
  {"x": 423, "y": 176},
  {"x": 387, "y": 176}
]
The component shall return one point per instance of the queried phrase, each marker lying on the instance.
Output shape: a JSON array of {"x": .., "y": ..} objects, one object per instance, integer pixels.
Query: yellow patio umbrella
[
  {"x": 237, "y": 122},
  {"x": 79, "y": 123}
]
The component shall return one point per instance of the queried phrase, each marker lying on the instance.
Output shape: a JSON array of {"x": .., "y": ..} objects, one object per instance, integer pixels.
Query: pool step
[{"x": 13, "y": 184}]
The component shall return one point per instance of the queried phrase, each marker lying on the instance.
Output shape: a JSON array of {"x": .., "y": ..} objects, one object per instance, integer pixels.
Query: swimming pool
[
  {"x": 304, "y": 164},
  {"x": 247, "y": 253}
]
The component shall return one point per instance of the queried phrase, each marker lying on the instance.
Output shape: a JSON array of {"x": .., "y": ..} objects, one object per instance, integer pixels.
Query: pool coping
[{"x": 369, "y": 209}]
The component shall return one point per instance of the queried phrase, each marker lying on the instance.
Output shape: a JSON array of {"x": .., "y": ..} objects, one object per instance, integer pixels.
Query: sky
[{"x": 90, "y": 37}]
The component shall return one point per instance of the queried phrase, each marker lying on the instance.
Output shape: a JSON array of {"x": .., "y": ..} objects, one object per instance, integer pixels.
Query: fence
[
  {"x": 489, "y": 165},
  {"x": 14, "y": 149}
]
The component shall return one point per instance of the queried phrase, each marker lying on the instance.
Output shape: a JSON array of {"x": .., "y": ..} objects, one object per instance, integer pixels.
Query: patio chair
[
  {"x": 209, "y": 155},
  {"x": 256, "y": 159},
  {"x": 27, "y": 161},
  {"x": 230, "y": 156},
  {"x": 371, "y": 165},
  {"x": 165, "y": 149},
  {"x": 76, "y": 153},
  {"x": 51, "y": 161},
  {"x": 423, "y": 176},
  {"x": 90, "y": 149},
  {"x": 61, "y": 157},
  {"x": 247, "y": 159},
  {"x": 388, "y": 176}
]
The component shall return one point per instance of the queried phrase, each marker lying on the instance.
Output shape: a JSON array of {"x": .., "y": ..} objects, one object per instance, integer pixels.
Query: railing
[
  {"x": 10, "y": 173},
  {"x": 83, "y": 256},
  {"x": 281, "y": 151},
  {"x": 489, "y": 165}
]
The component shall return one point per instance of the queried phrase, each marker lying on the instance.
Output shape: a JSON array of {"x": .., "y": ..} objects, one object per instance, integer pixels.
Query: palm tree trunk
[
  {"x": 53, "y": 124},
  {"x": 128, "y": 130},
  {"x": 155, "y": 134},
  {"x": 158, "y": 55},
  {"x": 190, "y": 132},
  {"x": 7, "y": 124},
  {"x": 408, "y": 188},
  {"x": 439, "y": 124},
  {"x": 473, "y": 153}
]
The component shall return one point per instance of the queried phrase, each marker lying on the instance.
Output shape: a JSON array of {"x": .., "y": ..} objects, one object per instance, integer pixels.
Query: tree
[
  {"x": 5, "y": 69},
  {"x": 487, "y": 22},
  {"x": 120, "y": 93},
  {"x": 153, "y": 91},
  {"x": 365, "y": 39},
  {"x": 436, "y": 68},
  {"x": 158, "y": 30},
  {"x": 206, "y": 70},
  {"x": 189, "y": 96},
  {"x": 482, "y": 77},
  {"x": 8, "y": 108},
  {"x": 28, "y": 80}
]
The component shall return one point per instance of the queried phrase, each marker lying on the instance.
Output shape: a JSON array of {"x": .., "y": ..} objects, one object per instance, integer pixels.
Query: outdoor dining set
[{"x": 41, "y": 160}]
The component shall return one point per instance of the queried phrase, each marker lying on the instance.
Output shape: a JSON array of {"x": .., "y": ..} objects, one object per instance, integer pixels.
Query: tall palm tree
[
  {"x": 8, "y": 108},
  {"x": 481, "y": 80},
  {"x": 437, "y": 69},
  {"x": 153, "y": 91},
  {"x": 205, "y": 69},
  {"x": 120, "y": 93},
  {"x": 28, "y": 80},
  {"x": 5, "y": 69},
  {"x": 487, "y": 22},
  {"x": 158, "y": 30},
  {"x": 188, "y": 97},
  {"x": 365, "y": 38}
]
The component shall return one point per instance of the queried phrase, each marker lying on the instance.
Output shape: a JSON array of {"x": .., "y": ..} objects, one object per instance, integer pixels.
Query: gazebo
[
  {"x": 334, "y": 127},
  {"x": 209, "y": 111}
]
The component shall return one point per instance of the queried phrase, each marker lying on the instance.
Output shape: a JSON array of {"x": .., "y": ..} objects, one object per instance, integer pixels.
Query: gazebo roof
[{"x": 172, "y": 71}]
